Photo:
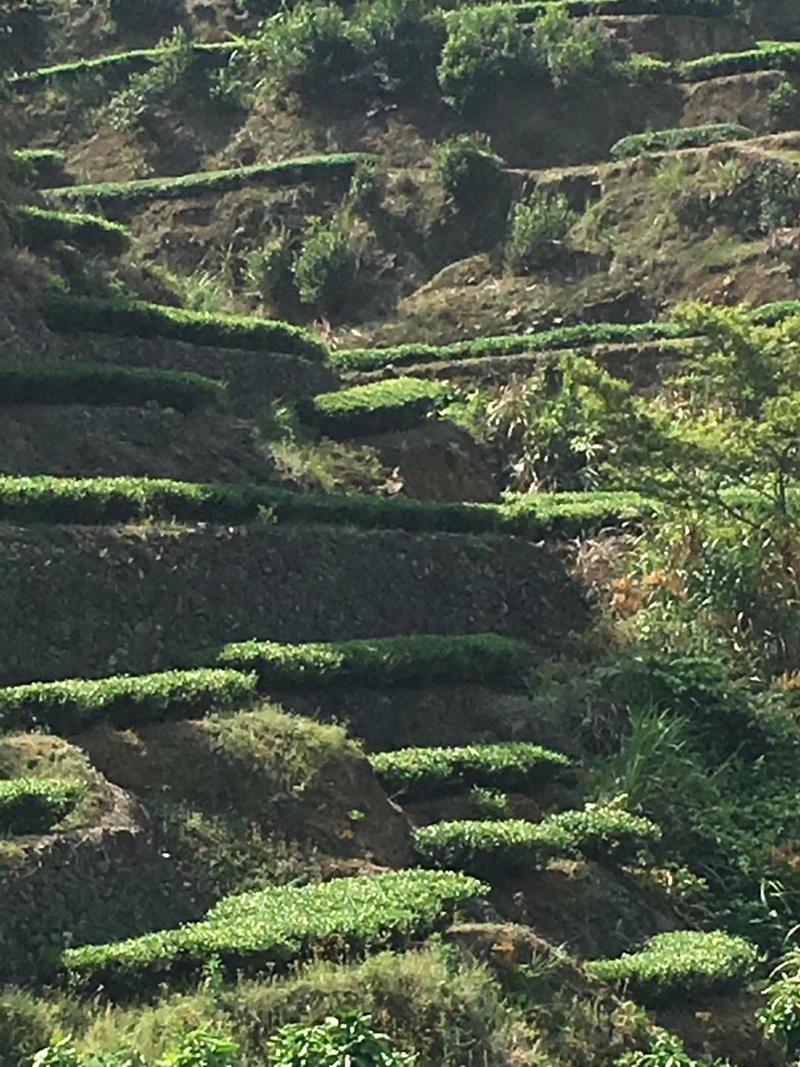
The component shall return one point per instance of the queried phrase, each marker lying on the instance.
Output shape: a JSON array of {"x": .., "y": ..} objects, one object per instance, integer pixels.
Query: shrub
[
  {"x": 273, "y": 927},
  {"x": 39, "y": 229},
  {"x": 74, "y": 705},
  {"x": 204, "y": 1047},
  {"x": 683, "y": 137},
  {"x": 338, "y": 1041},
  {"x": 379, "y": 407},
  {"x": 382, "y": 662},
  {"x": 574, "y": 51},
  {"x": 538, "y": 229},
  {"x": 666, "y": 1050},
  {"x": 485, "y": 49},
  {"x": 467, "y": 168},
  {"x": 403, "y": 38},
  {"x": 779, "y": 1019},
  {"x": 135, "y": 318},
  {"x": 485, "y": 848},
  {"x": 680, "y": 966},
  {"x": 104, "y": 383},
  {"x": 35, "y": 805},
  {"x": 415, "y": 773},
  {"x": 776, "y": 56},
  {"x": 26, "y": 1023},
  {"x": 325, "y": 269}
]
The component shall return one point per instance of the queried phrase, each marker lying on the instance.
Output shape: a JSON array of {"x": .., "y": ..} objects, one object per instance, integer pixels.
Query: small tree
[
  {"x": 468, "y": 169},
  {"x": 538, "y": 229},
  {"x": 325, "y": 269}
]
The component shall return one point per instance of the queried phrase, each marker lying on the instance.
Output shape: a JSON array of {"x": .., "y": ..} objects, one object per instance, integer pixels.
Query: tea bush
[
  {"x": 135, "y": 318},
  {"x": 274, "y": 927},
  {"x": 105, "y": 383},
  {"x": 39, "y": 229},
  {"x": 416, "y": 773},
  {"x": 779, "y": 1019},
  {"x": 41, "y": 167},
  {"x": 680, "y": 966},
  {"x": 325, "y": 269},
  {"x": 381, "y": 662},
  {"x": 538, "y": 230},
  {"x": 682, "y": 137},
  {"x": 468, "y": 169},
  {"x": 379, "y": 407},
  {"x": 35, "y": 805},
  {"x": 485, "y": 848},
  {"x": 774, "y": 56},
  {"x": 338, "y": 1041},
  {"x": 74, "y": 705}
]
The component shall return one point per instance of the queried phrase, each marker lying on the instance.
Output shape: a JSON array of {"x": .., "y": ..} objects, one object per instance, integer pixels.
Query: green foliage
[
  {"x": 782, "y": 101},
  {"x": 26, "y": 1024},
  {"x": 517, "y": 766},
  {"x": 204, "y": 1047},
  {"x": 666, "y": 1050},
  {"x": 39, "y": 229},
  {"x": 135, "y": 318},
  {"x": 35, "y": 805},
  {"x": 268, "y": 269},
  {"x": 416, "y": 660},
  {"x": 680, "y": 966},
  {"x": 97, "y": 501},
  {"x": 325, "y": 269},
  {"x": 337, "y": 167},
  {"x": 338, "y": 1041},
  {"x": 274, "y": 927},
  {"x": 575, "y": 52},
  {"x": 74, "y": 705},
  {"x": 777, "y": 56},
  {"x": 378, "y": 407},
  {"x": 605, "y": 833},
  {"x": 105, "y": 383},
  {"x": 403, "y": 38},
  {"x": 41, "y": 167},
  {"x": 538, "y": 229},
  {"x": 683, "y": 137},
  {"x": 779, "y": 1019},
  {"x": 468, "y": 169}
]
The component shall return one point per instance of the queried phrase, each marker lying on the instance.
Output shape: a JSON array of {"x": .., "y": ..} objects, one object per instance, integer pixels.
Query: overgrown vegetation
[{"x": 35, "y": 805}]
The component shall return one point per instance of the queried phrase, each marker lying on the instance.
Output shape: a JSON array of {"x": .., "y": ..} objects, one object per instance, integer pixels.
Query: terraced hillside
[{"x": 399, "y": 554}]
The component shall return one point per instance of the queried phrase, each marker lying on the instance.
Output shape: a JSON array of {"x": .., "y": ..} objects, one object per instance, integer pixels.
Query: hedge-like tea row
[
  {"x": 682, "y": 137},
  {"x": 778, "y": 56},
  {"x": 380, "y": 407},
  {"x": 591, "y": 333},
  {"x": 274, "y": 927},
  {"x": 135, "y": 318},
  {"x": 104, "y": 383},
  {"x": 39, "y": 229},
  {"x": 513, "y": 845},
  {"x": 34, "y": 805},
  {"x": 418, "y": 773},
  {"x": 40, "y": 167},
  {"x": 338, "y": 166},
  {"x": 120, "y": 64},
  {"x": 97, "y": 501},
  {"x": 682, "y": 966},
  {"x": 77, "y": 704},
  {"x": 416, "y": 660}
]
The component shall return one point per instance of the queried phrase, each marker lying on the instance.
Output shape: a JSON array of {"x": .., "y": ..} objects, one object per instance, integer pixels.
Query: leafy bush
[
  {"x": 777, "y": 56},
  {"x": 379, "y": 407},
  {"x": 105, "y": 383},
  {"x": 666, "y": 1050},
  {"x": 204, "y": 1047},
  {"x": 403, "y": 38},
  {"x": 574, "y": 51},
  {"x": 779, "y": 1019},
  {"x": 416, "y": 660},
  {"x": 414, "y": 773},
  {"x": 485, "y": 48},
  {"x": 338, "y": 1041},
  {"x": 683, "y": 137},
  {"x": 135, "y": 318},
  {"x": 467, "y": 168},
  {"x": 680, "y": 966},
  {"x": 273, "y": 927},
  {"x": 38, "y": 229},
  {"x": 325, "y": 269},
  {"x": 602, "y": 833},
  {"x": 538, "y": 229},
  {"x": 74, "y": 705},
  {"x": 26, "y": 1023},
  {"x": 35, "y": 805},
  {"x": 93, "y": 501},
  {"x": 337, "y": 167}
]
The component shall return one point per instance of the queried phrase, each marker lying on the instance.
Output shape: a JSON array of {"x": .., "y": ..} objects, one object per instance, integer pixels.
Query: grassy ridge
[
  {"x": 680, "y": 966},
  {"x": 105, "y": 383},
  {"x": 77, "y": 704},
  {"x": 338, "y": 166},
  {"x": 98, "y": 501},
  {"x": 274, "y": 927},
  {"x": 417, "y": 773},
  {"x": 380, "y": 407},
  {"x": 34, "y": 805},
  {"x": 417, "y": 660},
  {"x": 135, "y": 318},
  {"x": 39, "y": 229}
]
